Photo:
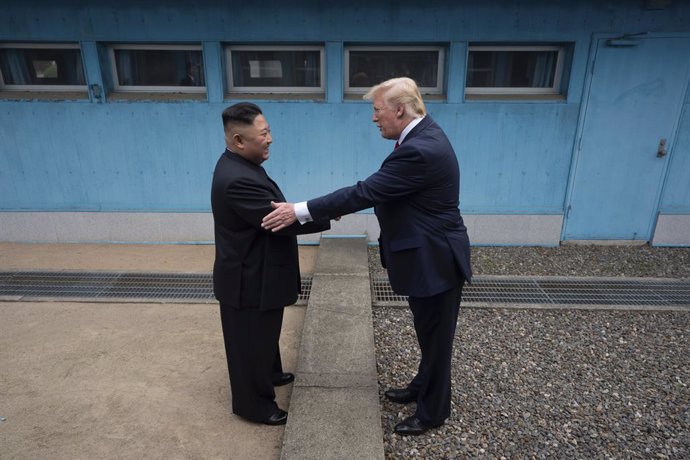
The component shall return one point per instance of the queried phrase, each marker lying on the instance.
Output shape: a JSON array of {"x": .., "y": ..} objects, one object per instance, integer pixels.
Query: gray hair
[{"x": 403, "y": 91}]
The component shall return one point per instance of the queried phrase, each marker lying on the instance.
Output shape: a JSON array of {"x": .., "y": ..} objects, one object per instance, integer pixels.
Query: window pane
[
  {"x": 276, "y": 68},
  {"x": 368, "y": 68},
  {"x": 159, "y": 67},
  {"x": 41, "y": 66},
  {"x": 511, "y": 69}
]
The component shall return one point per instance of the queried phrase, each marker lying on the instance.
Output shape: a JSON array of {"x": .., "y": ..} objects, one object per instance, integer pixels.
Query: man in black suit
[
  {"x": 256, "y": 272},
  {"x": 423, "y": 240}
]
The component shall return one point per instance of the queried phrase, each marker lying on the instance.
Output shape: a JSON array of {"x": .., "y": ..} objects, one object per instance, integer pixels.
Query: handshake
[{"x": 283, "y": 215}]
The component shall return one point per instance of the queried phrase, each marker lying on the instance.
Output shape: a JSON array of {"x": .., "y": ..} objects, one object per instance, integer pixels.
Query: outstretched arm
[{"x": 399, "y": 176}]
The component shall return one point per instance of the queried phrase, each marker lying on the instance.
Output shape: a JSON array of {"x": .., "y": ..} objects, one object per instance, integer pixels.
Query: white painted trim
[
  {"x": 275, "y": 89},
  {"x": 440, "y": 71},
  {"x": 40, "y": 45},
  {"x": 558, "y": 71},
  {"x": 151, "y": 89},
  {"x": 43, "y": 88}
]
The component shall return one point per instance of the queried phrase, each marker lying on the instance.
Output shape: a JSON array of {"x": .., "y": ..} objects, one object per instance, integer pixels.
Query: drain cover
[
  {"x": 115, "y": 286},
  {"x": 557, "y": 291}
]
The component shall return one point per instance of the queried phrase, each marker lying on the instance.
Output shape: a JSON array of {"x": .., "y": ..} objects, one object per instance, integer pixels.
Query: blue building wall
[{"x": 158, "y": 156}]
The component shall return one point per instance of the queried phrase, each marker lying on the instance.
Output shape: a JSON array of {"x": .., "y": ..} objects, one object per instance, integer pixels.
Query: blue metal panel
[
  {"x": 154, "y": 156},
  {"x": 457, "y": 59},
  {"x": 92, "y": 68},
  {"x": 513, "y": 157},
  {"x": 351, "y": 20},
  {"x": 334, "y": 72},
  {"x": 116, "y": 156},
  {"x": 634, "y": 100},
  {"x": 213, "y": 66}
]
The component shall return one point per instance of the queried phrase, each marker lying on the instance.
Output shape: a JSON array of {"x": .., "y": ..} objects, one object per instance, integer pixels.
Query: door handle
[{"x": 661, "y": 151}]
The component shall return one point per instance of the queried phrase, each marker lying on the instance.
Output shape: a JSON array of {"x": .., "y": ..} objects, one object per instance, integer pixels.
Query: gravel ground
[{"x": 552, "y": 383}]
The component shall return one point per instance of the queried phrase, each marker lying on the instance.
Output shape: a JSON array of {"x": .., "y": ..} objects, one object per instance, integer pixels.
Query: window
[
  {"x": 164, "y": 68},
  {"x": 50, "y": 67},
  {"x": 514, "y": 70},
  {"x": 366, "y": 66},
  {"x": 275, "y": 69}
]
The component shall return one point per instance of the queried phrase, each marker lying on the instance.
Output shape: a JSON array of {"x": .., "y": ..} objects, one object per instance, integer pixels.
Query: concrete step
[{"x": 334, "y": 408}]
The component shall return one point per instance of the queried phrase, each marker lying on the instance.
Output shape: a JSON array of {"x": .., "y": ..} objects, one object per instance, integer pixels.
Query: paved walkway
[{"x": 84, "y": 380}]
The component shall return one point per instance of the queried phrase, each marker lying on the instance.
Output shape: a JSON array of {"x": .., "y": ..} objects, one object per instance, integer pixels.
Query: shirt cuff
[{"x": 302, "y": 212}]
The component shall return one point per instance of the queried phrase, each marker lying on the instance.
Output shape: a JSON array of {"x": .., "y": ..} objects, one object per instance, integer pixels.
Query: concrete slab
[
  {"x": 336, "y": 343},
  {"x": 343, "y": 293},
  {"x": 339, "y": 415},
  {"x": 342, "y": 255},
  {"x": 125, "y": 381}
]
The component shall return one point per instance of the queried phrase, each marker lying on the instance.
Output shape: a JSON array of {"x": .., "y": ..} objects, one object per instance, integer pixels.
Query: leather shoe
[
  {"x": 279, "y": 417},
  {"x": 401, "y": 396},
  {"x": 412, "y": 426},
  {"x": 283, "y": 379}
]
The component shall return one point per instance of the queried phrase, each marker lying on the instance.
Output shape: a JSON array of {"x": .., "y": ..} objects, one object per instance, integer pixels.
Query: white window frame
[
  {"x": 555, "y": 89},
  {"x": 275, "y": 89},
  {"x": 55, "y": 88},
  {"x": 438, "y": 89},
  {"x": 151, "y": 89}
]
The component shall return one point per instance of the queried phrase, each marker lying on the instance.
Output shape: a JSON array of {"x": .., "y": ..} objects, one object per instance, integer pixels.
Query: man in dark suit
[
  {"x": 423, "y": 240},
  {"x": 256, "y": 272}
]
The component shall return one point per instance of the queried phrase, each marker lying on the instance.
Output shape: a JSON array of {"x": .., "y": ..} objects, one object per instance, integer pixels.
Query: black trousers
[
  {"x": 435, "y": 319},
  {"x": 253, "y": 355}
]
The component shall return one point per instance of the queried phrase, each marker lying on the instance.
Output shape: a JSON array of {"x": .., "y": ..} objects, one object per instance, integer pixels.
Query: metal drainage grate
[
  {"x": 557, "y": 291},
  {"x": 199, "y": 287},
  {"x": 114, "y": 286},
  {"x": 303, "y": 297}
]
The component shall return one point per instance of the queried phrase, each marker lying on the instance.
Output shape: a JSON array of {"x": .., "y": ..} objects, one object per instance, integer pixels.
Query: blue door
[{"x": 633, "y": 105}]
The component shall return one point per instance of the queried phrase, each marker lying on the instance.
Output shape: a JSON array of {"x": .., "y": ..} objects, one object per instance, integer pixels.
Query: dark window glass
[
  {"x": 368, "y": 68},
  {"x": 41, "y": 66},
  {"x": 159, "y": 67},
  {"x": 511, "y": 69},
  {"x": 297, "y": 69}
]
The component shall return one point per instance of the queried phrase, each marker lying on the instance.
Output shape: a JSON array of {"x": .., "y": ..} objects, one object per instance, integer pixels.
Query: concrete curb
[{"x": 334, "y": 409}]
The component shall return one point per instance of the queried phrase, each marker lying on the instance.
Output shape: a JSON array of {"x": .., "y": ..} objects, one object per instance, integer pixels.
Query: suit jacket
[
  {"x": 423, "y": 243},
  {"x": 254, "y": 268}
]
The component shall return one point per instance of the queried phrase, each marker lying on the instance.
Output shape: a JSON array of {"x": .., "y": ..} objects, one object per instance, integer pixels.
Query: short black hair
[{"x": 242, "y": 113}]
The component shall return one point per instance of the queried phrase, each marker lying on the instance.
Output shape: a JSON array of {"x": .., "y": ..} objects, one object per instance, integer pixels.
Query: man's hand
[{"x": 283, "y": 215}]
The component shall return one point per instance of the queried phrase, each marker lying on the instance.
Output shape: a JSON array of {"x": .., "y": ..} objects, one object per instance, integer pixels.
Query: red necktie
[{"x": 396, "y": 145}]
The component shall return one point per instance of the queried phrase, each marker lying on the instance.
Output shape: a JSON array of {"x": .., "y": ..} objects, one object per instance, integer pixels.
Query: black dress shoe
[
  {"x": 402, "y": 396},
  {"x": 279, "y": 417},
  {"x": 412, "y": 426},
  {"x": 283, "y": 379}
]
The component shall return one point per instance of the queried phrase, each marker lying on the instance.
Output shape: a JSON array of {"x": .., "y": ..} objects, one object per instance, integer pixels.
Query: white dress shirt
[{"x": 301, "y": 209}]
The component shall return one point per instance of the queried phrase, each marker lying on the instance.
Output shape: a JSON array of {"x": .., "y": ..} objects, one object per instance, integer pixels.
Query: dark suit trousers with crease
[
  {"x": 435, "y": 319},
  {"x": 253, "y": 355}
]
